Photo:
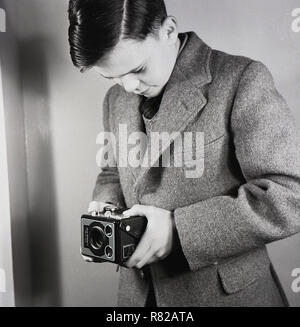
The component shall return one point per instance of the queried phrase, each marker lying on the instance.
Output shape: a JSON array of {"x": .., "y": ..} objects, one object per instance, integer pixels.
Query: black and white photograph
[{"x": 149, "y": 155}]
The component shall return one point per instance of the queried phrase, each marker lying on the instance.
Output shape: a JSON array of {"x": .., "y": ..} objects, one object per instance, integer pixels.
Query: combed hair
[{"x": 96, "y": 26}]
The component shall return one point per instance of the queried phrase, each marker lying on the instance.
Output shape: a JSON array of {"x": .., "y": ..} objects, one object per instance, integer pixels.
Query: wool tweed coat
[{"x": 248, "y": 194}]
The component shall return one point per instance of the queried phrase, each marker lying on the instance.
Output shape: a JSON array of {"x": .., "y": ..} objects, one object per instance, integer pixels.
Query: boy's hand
[
  {"x": 97, "y": 206},
  {"x": 85, "y": 258},
  {"x": 157, "y": 240}
]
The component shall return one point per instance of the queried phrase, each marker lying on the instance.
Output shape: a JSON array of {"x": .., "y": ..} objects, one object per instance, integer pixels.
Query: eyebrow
[{"x": 132, "y": 71}]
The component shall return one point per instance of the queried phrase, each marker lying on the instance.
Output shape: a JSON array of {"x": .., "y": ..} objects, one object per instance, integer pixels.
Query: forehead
[{"x": 127, "y": 55}]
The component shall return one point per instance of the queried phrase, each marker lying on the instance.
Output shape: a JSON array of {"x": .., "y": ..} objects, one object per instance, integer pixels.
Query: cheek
[
  {"x": 153, "y": 78},
  {"x": 157, "y": 68},
  {"x": 155, "y": 75}
]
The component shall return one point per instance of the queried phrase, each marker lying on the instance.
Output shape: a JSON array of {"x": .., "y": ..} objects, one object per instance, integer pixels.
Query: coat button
[{"x": 142, "y": 274}]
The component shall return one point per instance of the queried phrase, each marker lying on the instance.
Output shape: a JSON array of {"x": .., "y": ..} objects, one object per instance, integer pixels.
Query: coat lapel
[
  {"x": 129, "y": 117},
  {"x": 183, "y": 99}
]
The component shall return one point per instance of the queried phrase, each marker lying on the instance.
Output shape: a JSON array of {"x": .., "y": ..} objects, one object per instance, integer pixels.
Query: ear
[{"x": 169, "y": 30}]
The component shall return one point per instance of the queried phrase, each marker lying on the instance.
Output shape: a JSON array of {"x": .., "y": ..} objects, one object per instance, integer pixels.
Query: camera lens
[
  {"x": 108, "y": 251},
  {"x": 108, "y": 231},
  {"x": 97, "y": 237}
]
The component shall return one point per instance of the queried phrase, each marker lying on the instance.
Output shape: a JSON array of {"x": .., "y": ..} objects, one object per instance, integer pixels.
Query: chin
[{"x": 154, "y": 93}]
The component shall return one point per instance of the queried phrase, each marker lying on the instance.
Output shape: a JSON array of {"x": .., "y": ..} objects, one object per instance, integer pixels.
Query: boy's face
[{"x": 142, "y": 67}]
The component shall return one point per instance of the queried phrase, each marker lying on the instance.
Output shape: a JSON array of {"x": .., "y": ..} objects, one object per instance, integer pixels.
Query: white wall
[
  {"x": 63, "y": 116},
  {"x": 16, "y": 159},
  {"x": 6, "y": 270}
]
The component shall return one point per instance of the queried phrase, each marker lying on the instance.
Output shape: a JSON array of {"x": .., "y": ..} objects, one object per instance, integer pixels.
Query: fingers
[
  {"x": 85, "y": 258},
  {"x": 141, "y": 250},
  {"x": 96, "y": 206},
  {"x": 149, "y": 257}
]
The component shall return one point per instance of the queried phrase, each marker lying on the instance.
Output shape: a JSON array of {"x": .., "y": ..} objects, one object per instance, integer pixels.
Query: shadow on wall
[{"x": 43, "y": 231}]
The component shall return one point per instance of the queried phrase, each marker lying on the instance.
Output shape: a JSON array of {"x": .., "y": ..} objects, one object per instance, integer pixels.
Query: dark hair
[{"x": 96, "y": 26}]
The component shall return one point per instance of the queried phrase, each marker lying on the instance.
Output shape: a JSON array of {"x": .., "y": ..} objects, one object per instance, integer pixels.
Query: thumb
[{"x": 136, "y": 210}]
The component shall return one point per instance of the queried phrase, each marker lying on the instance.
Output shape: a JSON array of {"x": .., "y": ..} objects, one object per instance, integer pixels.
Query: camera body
[{"x": 110, "y": 236}]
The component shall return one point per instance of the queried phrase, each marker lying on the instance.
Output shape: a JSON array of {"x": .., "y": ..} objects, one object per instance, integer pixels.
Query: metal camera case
[{"x": 109, "y": 236}]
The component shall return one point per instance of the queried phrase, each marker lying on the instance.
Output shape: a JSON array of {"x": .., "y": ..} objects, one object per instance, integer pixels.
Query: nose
[{"x": 130, "y": 84}]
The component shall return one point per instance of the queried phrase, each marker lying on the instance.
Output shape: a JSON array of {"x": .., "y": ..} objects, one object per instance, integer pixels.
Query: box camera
[{"x": 110, "y": 236}]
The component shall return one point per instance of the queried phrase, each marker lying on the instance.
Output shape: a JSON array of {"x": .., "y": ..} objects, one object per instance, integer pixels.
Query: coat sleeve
[
  {"x": 267, "y": 207},
  {"x": 108, "y": 187}
]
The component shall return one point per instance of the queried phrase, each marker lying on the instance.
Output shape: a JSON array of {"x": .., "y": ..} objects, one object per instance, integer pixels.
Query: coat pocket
[{"x": 240, "y": 272}]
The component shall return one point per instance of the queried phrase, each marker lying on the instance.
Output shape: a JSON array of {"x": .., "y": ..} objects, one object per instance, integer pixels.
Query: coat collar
[
  {"x": 183, "y": 95},
  {"x": 183, "y": 98}
]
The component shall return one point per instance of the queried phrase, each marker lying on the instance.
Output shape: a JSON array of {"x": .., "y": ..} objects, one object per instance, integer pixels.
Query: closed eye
[{"x": 140, "y": 70}]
